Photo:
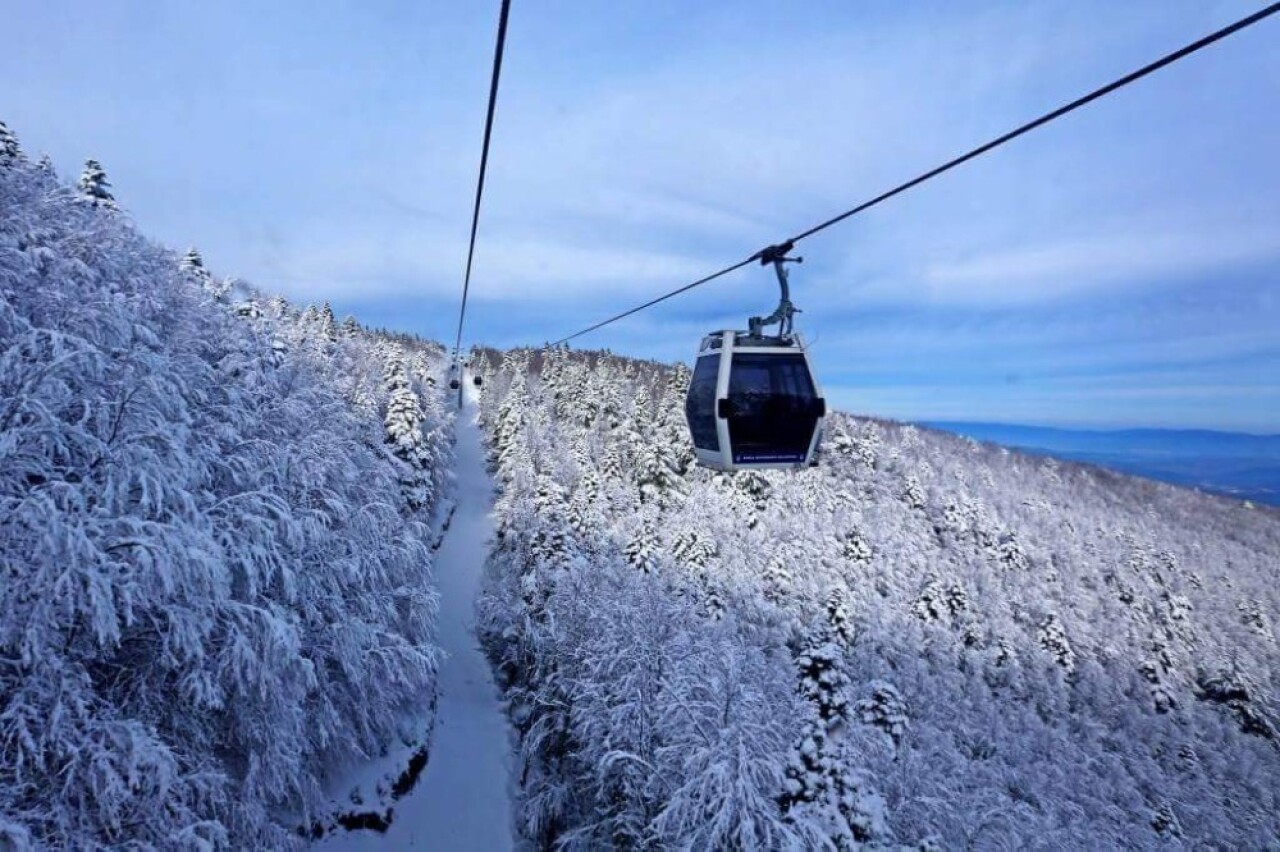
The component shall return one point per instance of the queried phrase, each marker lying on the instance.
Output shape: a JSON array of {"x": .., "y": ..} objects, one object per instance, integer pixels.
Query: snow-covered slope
[
  {"x": 923, "y": 641},
  {"x": 214, "y": 576}
]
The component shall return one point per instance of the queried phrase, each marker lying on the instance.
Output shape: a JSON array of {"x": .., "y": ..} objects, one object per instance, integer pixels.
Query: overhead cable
[{"x": 484, "y": 162}]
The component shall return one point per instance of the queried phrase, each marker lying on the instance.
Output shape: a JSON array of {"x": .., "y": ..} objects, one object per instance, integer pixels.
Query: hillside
[
  {"x": 214, "y": 555},
  {"x": 923, "y": 641}
]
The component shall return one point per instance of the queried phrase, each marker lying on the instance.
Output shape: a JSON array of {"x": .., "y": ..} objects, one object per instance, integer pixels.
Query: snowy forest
[
  {"x": 923, "y": 641},
  {"x": 218, "y": 522},
  {"x": 215, "y": 563}
]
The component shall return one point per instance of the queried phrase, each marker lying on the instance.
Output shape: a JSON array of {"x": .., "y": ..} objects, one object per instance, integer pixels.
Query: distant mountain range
[{"x": 1230, "y": 463}]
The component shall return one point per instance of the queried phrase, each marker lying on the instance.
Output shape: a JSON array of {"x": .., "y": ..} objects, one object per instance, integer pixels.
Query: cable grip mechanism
[{"x": 784, "y": 314}]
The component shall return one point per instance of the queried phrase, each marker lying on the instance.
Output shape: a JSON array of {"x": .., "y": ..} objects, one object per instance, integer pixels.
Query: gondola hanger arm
[{"x": 784, "y": 314}]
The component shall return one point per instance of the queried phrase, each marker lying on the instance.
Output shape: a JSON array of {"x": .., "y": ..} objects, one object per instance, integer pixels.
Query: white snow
[{"x": 463, "y": 799}]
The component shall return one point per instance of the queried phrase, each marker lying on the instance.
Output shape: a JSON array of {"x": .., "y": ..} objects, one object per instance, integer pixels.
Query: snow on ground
[{"x": 463, "y": 799}]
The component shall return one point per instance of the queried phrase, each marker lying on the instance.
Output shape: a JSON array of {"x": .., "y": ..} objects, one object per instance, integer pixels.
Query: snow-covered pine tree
[
  {"x": 713, "y": 603},
  {"x": 192, "y": 265},
  {"x": 655, "y": 472},
  {"x": 642, "y": 550},
  {"x": 671, "y": 430},
  {"x": 808, "y": 772},
  {"x": 940, "y": 601},
  {"x": 839, "y": 618},
  {"x": 589, "y": 485},
  {"x": 913, "y": 492},
  {"x": 855, "y": 547},
  {"x": 548, "y": 496},
  {"x": 609, "y": 405},
  {"x": 549, "y": 547},
  {"x": 821, "y": 787},
  {"x": 1010, "y": 552},
  {"x": 693, "y": 548},
  {"x": 867, "y": 445},
  {"x": 328, "y": 325},
  {"x": 403, "y": 423},
  {"x": 611, "y": 465},
  {"x": 822, "y": 679},
  {"x": 886, "y": 710},
  {"x": 1053, "y": 638},
  {"x": 1165, "y": 822},
  {"x": 10, "y": 152},
  {"x": 511, "y": 417},
  {"x": 754, "y": 485},
  {"x": 642, "y": 409},
  {"x": 278, "y": 307},
  {"x": 779, "y": 584},
  {"x": 580, "y": 517},
  {"x": 94, "y": 187},
  {"x": 1154, "y": 669}
]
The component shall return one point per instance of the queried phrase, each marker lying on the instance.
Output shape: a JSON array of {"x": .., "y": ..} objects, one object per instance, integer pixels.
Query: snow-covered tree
[
  {"x": 1053, "y": 638},
  {"x": 913, "y": 492},
  {"x": 192, "y": 265},
  {"x": 778, "y": 579},
  {"x": 655, "y": 472},
  {"x": 10, "y": 152},
  {"x": 328, "y": 324},
  {"x": 642, "y": 550},
  {"x": 94, "y": 187},
  {"x": 840, "y": 620},
  {"x": 403, "y": 422},
  {"x": 823, "y": 681},
  {"x": 941, "y": 601},
  {"x": 855, "y": 547},
  {"x": 885, "y": 709}
]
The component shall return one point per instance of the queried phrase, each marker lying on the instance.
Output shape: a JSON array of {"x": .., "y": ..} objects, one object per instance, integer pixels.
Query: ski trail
[{"x": 463, "y": 799}]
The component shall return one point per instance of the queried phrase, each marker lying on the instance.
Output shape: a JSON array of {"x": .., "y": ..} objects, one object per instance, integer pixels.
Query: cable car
[
  {"x": 453, "y": 376},
  {"x": 476, "y": 380},
  {"x": 754, "y": 401}
]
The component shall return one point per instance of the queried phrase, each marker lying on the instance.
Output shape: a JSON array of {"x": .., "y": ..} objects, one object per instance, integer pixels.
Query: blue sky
[{"x": 1120, "y": 267}]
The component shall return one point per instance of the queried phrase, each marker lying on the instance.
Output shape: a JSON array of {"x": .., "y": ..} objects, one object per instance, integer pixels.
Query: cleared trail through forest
[{"x": 463, "y": 800}]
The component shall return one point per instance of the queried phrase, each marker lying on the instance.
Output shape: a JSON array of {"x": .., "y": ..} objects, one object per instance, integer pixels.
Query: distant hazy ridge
[{"x": 1231, "y": 463}]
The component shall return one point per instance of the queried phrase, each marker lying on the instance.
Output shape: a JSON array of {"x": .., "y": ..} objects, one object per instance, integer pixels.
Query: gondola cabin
[
  {"x": 754, "y": 403},
  {"x": 476, "y": 380}
]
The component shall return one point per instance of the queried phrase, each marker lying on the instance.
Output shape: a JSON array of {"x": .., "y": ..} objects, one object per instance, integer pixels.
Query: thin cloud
[
  {"x": 507, "y": 268},
  {"x": 1047, "y": 271}
]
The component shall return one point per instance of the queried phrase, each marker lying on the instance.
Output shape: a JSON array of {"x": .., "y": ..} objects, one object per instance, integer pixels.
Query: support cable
[{"x": 484, "y": 162}]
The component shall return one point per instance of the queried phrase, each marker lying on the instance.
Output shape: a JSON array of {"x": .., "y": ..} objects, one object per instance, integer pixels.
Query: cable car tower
[{"x": 754, "y": 402}]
